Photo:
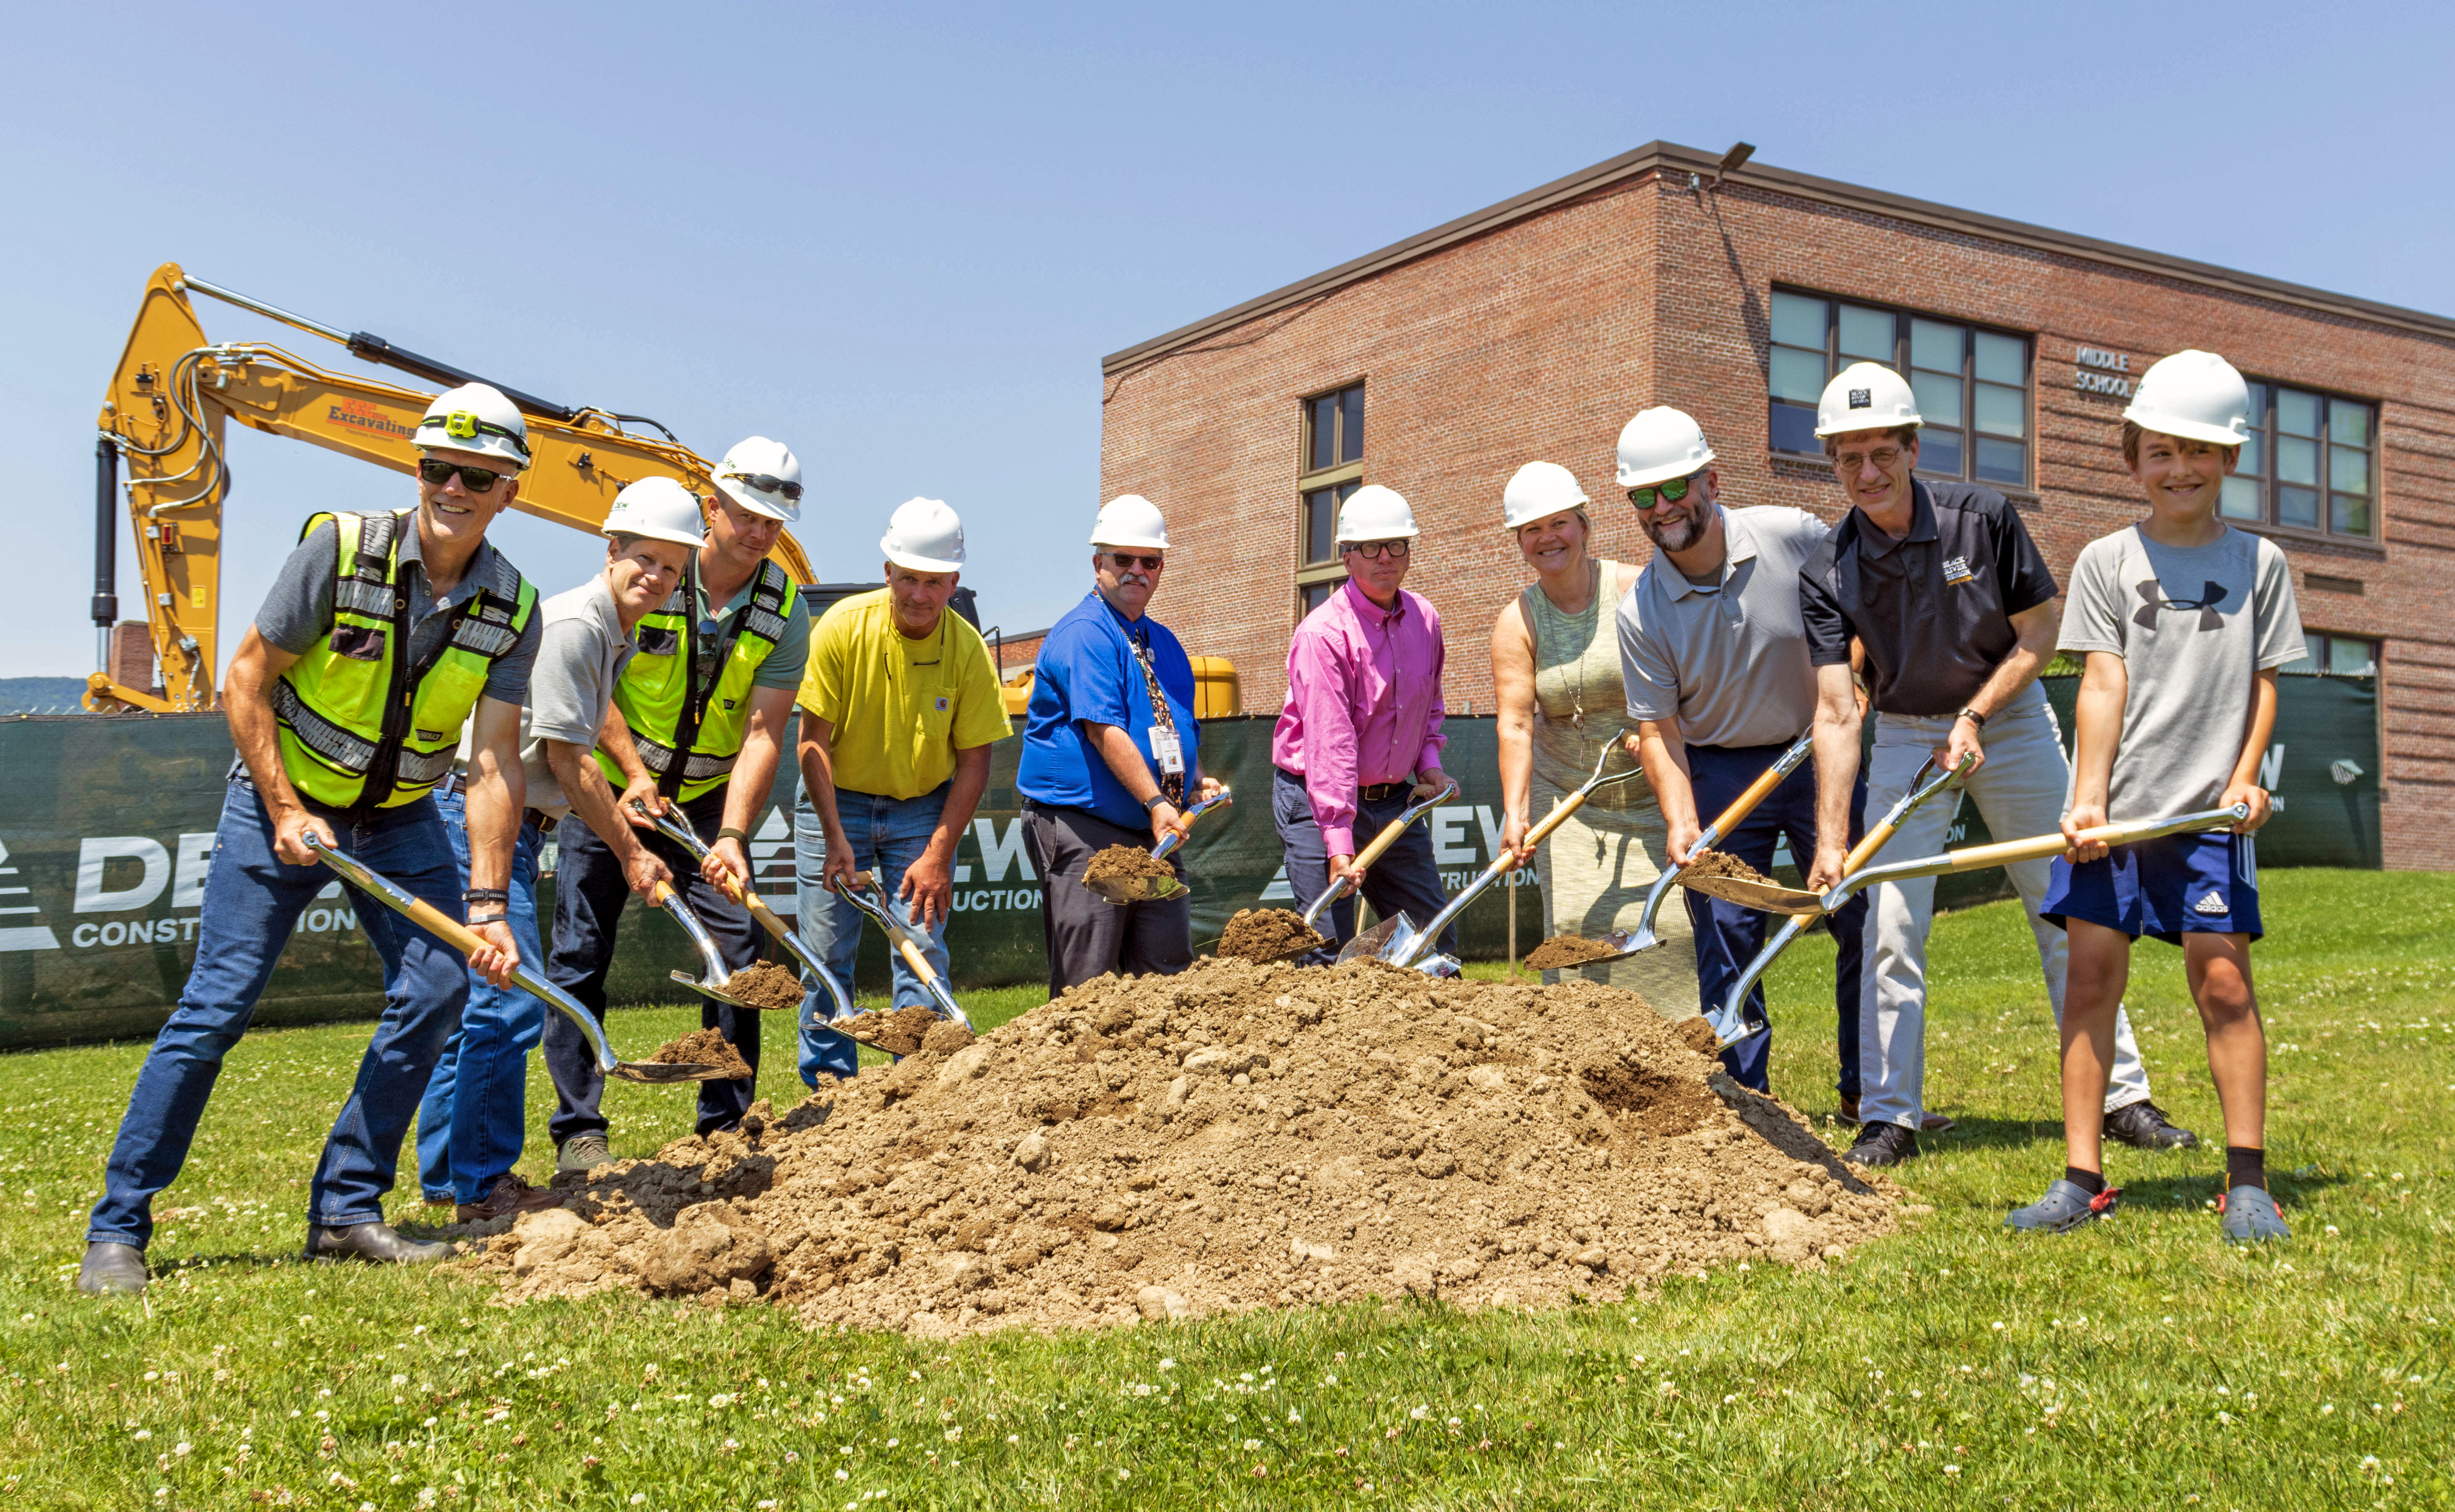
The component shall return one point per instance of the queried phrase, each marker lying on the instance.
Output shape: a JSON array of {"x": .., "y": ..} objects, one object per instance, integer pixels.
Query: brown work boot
[{"x": 509, "y": 1194}]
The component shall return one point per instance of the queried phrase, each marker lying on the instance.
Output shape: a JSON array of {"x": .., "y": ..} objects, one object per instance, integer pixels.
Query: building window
[
  {"x": 1330, "y": 466},
  {"x": 1972, "y": 383},
  {"x": 2310, "y": 464},
  {"x": 2333, "y": 655}
]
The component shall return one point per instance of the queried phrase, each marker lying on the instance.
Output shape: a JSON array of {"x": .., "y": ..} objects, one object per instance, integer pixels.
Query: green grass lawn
[{"x": 2139, "y": 1363}]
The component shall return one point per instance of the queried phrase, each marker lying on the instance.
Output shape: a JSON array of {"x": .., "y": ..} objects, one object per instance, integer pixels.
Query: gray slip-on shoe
[
  {"x": 2065, "y": 1206},
  {"x": 2249, "y": 1215},
  {"x": 583, "y": 1153}
]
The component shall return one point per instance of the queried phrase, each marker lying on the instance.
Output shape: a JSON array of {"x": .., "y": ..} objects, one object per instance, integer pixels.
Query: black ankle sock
[
  {"x": 2092, "y": 1182},
  {"x": 2245, "y": 1167}
]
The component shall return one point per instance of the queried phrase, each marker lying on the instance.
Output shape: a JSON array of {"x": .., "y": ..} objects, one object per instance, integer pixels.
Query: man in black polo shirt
[{"x": 1941, "y": 584}]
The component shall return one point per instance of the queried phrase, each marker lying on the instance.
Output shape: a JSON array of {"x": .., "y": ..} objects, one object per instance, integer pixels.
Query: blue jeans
[
  {"x": 1728, "y": 937},
  {"x": 253, "y": 900},
  {"x": 475, "y": 1117},
  {"x": 888, "y": 835}
]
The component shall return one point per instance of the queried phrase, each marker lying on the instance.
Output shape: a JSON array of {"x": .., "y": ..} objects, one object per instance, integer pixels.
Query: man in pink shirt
[{"x": 1360, "y": 737}]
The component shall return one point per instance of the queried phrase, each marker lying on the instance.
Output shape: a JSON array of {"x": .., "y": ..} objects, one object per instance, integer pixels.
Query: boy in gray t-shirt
[{"x": 2184, "y": 622}]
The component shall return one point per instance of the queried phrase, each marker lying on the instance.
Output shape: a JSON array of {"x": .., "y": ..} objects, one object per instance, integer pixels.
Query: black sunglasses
[
  {"x": 1670, "y": 493},
  {"x": 475, "y": 479},
  {"x": 768, "y": 483},
  {"x": 1127, "y": 559}
]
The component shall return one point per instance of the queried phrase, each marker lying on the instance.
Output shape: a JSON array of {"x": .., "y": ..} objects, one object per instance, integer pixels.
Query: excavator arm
[{"x": 170, "y": 403}]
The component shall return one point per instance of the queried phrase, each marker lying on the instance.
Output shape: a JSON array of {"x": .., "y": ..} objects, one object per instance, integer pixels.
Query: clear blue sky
[{"x": 900, "y": 240}]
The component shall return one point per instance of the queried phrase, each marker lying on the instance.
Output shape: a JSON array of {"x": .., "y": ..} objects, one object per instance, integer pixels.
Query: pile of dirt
[
  {"x": 1567, "y": 949},
  {"x": 899, "y": 1033},
  {"x": 1722, "y": 863},
  {"x": 703, "y": 1047},
  {"x": 1266, "y": 934},
  {"x": 765, "y": 985},
  {"x": 1235, "y": 1137},
  {"x": 1119, "y": 862}
]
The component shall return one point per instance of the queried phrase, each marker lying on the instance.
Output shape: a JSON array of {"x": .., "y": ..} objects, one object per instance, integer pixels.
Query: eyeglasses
[
  {"x": 475, "y": 479},
  {"x": 1123, "y": 560},
  {"x": 1883, "y": 457},
  {"x": 1381, "y": 550},
  {"x": 1668, "y": 493},
  {"x": 767, "y": 483}
]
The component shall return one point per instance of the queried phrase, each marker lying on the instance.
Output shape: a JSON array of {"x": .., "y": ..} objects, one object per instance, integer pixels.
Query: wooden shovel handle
[
  {"x": 913, "y": 958},
  {"x": 1746, "y": 802},
  {"x": 1558, "y": 815},
  {"x": 1865, "y": 850},
  {"x": 1381, "y": 842},
  {"x": 758, "y": 910},
  {"x": 452, "y": 933}
]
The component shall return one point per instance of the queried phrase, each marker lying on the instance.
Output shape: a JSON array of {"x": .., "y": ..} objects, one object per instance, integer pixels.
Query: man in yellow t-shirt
[{"x": 899, "y": 704}]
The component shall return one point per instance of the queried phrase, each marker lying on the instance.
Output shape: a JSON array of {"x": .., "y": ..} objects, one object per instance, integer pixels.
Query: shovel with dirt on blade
[
  {"x": 671, "y": 826},
  {"x": 1728, "y": 1021},
  {"x": 1729, "y": 820},
  {"x": 460, "y": 938},
  {"x": 1341, "y": 886},
  {"x": 1399, "y": 941},
  {"x": 862, "y": 892},
  {"x": 1163, "y": 883}
]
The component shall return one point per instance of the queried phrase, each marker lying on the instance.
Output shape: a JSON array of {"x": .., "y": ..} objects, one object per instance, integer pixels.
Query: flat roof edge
[{"x": 1656, "y": 156}]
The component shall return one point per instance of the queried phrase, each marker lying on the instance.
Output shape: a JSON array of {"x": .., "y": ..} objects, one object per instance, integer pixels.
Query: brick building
[{"x": 1535, "y": 328}]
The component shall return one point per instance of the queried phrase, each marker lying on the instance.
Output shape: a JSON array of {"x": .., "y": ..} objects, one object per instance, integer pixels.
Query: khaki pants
[{"x": 1595, "y": 870}]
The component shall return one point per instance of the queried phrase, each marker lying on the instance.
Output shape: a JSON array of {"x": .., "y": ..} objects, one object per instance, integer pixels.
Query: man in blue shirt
[{"x": 1110, "y": 752}]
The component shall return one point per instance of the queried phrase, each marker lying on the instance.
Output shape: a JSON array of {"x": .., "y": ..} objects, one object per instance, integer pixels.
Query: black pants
[
  {"x": 1404, "y": 880},
  {"x": 1086, "y": 933},
  {"x": 589, "y": 892}
]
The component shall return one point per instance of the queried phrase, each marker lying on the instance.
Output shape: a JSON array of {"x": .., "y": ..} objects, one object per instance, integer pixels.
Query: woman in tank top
[{"x": 1555, "y": 675}]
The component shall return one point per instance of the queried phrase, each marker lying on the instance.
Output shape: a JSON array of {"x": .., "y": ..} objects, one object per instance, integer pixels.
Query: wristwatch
[
  {"x": 1972, "y": 716},
  {"x": 1150, "y": 805}
]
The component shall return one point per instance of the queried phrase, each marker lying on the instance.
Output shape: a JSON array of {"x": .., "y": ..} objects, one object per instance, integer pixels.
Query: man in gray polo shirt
[
  {"x": 1720, "y": 685},
  {"x": 472, "y": 1124}
]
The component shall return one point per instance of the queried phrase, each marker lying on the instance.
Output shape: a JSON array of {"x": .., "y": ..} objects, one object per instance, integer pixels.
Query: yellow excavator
[{"x": 172, "y": 399}]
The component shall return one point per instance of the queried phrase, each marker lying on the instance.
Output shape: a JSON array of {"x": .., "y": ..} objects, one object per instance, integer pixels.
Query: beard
[{"x": 1678, "y": 537}]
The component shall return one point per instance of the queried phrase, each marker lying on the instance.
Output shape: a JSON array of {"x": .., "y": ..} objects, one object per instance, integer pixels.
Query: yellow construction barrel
[{"x": 1216, "y": 692}]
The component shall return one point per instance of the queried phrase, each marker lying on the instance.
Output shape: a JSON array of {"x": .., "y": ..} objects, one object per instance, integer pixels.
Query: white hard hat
[
  {"x": 924, "y": 535},
  {"x": 659, "y": 509},
  {"x": 764, "y": 477},
  {"x": 1375, "y": 513},
  {"x": 1659, "y": 445},
  {"x": 2194, "y": 395},
  {"x": 475, "y": 418},
  {"x": 1865, "y": 396},
  {"x": 1538, "y": 491},
  {"x": 1131, "y": 519}
]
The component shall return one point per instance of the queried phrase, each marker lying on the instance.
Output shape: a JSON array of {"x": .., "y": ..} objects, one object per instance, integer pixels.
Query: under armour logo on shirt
[
  {"x": 2152, "y": 599},
  {"x": 2213, "y": 905}
]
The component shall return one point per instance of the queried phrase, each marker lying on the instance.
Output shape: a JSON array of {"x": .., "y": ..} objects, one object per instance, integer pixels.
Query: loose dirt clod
[
  {"x": 899, "y": 1033},
  {"x": 1119, "y": 862},
  {"x": 1567, "y": 949},
  {"x": 1722, "y": 863},
  {"x": 1236, "y": 1137},
  {"x": 1266, "y": 934},
  {"x": 764, "y": 984},
  {"x": 705, "y": 1047}
]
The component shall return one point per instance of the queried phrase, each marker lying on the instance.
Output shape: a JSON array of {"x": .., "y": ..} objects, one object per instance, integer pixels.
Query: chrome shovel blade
[{"x": 1391, "y": 940}]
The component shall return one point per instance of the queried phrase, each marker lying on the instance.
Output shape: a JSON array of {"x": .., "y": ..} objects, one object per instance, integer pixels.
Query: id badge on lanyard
[{"x": 1169, "y": 750}]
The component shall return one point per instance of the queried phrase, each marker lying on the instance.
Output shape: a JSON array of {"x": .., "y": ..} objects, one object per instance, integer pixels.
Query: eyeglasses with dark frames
[
  {"x": 1396, "y": 550},
  {"x": 1124, "y": 560},
  {"x": 767, "y": 483}
]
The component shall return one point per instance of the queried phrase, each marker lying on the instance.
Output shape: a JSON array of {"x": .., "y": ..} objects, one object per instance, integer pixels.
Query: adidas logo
[{"x": 2213, "y": 905}]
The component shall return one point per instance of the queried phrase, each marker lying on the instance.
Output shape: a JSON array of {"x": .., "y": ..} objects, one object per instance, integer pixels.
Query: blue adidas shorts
[{"x": 2178, "y": 884}]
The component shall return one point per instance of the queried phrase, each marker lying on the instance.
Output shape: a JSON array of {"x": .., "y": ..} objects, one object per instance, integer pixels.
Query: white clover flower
[
  {"x": 843, "y": 1473},
  {"x": 1167, "y": 1364},
  {"x": 1014, "y": 1438},
  {"x": 1420, "y": 1412}
]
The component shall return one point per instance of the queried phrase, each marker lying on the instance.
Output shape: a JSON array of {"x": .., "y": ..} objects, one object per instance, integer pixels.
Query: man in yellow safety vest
[
  {"x": 696, "y": 723},
  {"x": 382, "y": 635}
]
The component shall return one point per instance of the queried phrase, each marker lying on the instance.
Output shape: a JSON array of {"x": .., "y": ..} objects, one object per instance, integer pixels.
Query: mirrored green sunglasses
[{"x": 1669, "y": 492}]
